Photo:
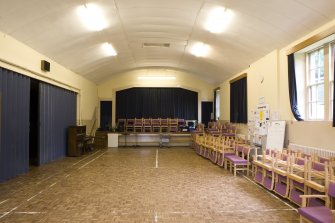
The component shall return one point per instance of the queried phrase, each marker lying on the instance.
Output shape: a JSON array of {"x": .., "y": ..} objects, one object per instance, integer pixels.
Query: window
[
  {"x": 217, "y": 104},
  {"x": 314, "y": 72},
  {"x": 315, "y": 85}
]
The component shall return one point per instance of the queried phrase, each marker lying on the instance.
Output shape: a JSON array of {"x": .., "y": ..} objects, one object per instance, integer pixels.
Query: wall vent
[{"x": 156, "y": 45}]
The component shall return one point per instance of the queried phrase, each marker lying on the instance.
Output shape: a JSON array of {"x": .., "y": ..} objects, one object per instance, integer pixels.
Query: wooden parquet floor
[{"x": 138, "y": 185}]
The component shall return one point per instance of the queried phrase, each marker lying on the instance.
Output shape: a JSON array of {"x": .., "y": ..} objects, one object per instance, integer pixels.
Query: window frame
[{"x": 309, "y": 85}]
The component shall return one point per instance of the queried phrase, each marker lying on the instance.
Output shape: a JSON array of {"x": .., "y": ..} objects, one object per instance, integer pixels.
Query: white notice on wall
[{"x": 276, "y": 135}]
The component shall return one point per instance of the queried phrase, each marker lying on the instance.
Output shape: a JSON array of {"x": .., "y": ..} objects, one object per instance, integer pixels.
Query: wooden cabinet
[{"x": 76, "y": 140}]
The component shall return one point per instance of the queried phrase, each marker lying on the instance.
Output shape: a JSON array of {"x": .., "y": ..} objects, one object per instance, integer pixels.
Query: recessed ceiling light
[
  {"x": 109, "y": 49},
  {"x": 156, "y": 78},
  {"x": 218, "y": 19},
  {"x": 92, "y": 17},
  {"x": 200, "y": 50}
]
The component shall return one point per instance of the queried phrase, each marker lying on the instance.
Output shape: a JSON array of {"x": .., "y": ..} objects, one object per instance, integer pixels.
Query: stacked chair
[
  {"x": 302, "y": 179},
  {"x": 156, "y": 125}
]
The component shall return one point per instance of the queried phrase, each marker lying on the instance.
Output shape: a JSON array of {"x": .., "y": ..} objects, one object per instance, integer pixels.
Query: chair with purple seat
[
  {"x": 239, "y": 161},
  {"x": 323, "y": 214}
]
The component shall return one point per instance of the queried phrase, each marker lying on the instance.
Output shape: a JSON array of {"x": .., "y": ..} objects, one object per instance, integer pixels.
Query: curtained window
[
  {"x": 157, "y": 103},
  {"x": 292, "y": 85},
  {"x": 238, "y": 101}
]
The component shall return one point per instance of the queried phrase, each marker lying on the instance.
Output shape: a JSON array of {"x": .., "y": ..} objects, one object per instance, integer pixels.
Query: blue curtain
[
  {"x": 57, "y": 112},
  {"x": 14, "y": 119},
  {"x": 239, "y": 101},
  {"x": 157, "y": 103},
  {"x": 292, "y": 87}
]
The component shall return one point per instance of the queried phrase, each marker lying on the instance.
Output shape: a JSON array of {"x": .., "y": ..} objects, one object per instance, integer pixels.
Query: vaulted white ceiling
[{"x": 53, "y": 28}]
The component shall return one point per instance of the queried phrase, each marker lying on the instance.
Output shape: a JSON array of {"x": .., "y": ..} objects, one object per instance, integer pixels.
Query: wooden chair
[
  {"x": 138, "y": 125},
  {"x": 173, "y": 125},
  {"x": 164, "y": 125},
  {"x": 239, "y": 161},
  {"x": 156, "y": 124},
  {"x": 147, "y": 125},
  {"x": 323, "y": 214},
  {"x": 130, "y": 125},
  {"x": 297, "y": 175},
  {"x": 281, "y": 169},
  {"x": 181, "y": 124}
]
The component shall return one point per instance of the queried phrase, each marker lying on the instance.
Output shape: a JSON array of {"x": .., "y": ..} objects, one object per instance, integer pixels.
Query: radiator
[{"x": 312, "y": 150}]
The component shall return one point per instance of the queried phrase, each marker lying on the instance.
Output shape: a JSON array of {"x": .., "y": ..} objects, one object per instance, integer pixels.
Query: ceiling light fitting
[
  {"x": 200, "y": 50},
  {"x": 218, "y": 20},
  {"x": 109, "y": 49},
  {"x": 92, "y": 17}
]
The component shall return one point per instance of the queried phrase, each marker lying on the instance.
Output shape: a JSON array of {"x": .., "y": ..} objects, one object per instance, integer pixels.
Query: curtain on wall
[
  {"x": 14, "y": 121},
  {"x": 57, "y": 112},
  {"x": 157, "y": 103},
  {"x": 239, "y": 101},
  {"x": 214, "y": 112},
  {"x": 292, "y": 87}
]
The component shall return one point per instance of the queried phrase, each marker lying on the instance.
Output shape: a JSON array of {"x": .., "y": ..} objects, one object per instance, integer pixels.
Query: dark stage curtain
[
  {"x": 58, "y": 109},
  {"x": 14, "y": 124},
  {"x": 238, "y": 101},
  {"x": 157, "y": 103},
  {"x": 292, "y": 87}
]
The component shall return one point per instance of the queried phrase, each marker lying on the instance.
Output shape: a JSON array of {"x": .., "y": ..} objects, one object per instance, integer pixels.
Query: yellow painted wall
[
  {"x": 273, "y": 67},
  {"x": 18, "y": 57},
  {"x": 106, "y": 91}
]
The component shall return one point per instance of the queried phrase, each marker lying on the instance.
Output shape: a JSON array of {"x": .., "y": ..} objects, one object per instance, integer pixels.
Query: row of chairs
[
  {"x": 306, "y": 180},
  {"x": 224, "y": 150},
  {"x": 150, "y": 124}
]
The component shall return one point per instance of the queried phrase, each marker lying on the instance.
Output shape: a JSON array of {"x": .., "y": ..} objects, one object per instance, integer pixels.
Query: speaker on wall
[{"x": 45, "y": 65}]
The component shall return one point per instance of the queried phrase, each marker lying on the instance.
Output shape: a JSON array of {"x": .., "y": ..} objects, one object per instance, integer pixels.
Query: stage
[{"x": 165, "y": 139}]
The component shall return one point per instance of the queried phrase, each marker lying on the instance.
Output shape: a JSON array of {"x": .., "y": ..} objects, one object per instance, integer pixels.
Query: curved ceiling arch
[{"x": 52, "y": 27}]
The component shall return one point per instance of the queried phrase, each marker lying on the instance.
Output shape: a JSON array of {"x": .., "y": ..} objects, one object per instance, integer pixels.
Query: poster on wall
[{"x": 262, "y": 119}]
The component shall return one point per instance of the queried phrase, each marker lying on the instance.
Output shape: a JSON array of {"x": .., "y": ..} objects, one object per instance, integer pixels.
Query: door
[
  {"x": 206, "y": 111},
  {"x": 106, "y": 108},
  {"x": 34, "y": 124}
]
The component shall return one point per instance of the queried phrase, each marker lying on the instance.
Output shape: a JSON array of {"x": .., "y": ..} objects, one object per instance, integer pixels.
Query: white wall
[
  {"x": 106, "y": 91},
  {"x": 18, "y": 57},
  {"x": 273, "y": 67}
]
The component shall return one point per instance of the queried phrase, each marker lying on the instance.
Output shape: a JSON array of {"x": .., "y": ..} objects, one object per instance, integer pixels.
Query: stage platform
[{"x": 155, "y": 139}]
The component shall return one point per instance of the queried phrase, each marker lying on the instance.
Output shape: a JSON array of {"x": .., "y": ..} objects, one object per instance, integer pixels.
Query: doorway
[
  {"x": 206, "y": 111},
  {"x": 106, "y": 111},
  {"x": 34, "y": 124}
]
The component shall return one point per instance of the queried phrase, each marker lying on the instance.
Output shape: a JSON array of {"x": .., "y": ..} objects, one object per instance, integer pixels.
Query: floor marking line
[
  {"x": 85, "y": 158},
  {"x": 30, "y": 212},
  {"x": 53, "y": 184},
  {"x": 91, "y": 161},
  {"x": 271, "y": 193},
  {"x": 7, "y": 213},
  {"x": 3, "y": 201},
  {"x": 35, "y": 195},
  {"x": 156, "y": 158},
  {"x": 67, "y": 167},
  {"x": 156, "y": 217}
]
